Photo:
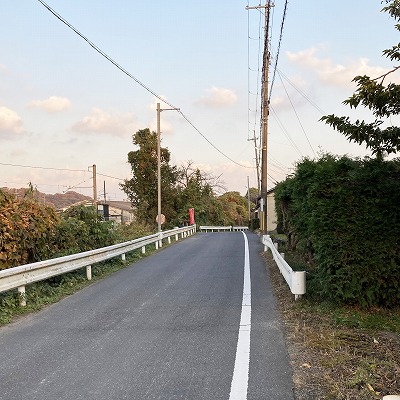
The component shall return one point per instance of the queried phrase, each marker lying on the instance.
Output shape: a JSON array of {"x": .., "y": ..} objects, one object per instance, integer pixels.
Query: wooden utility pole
[
  {"x": 94, "y": 185},
  {"x": 248, "y": 200},
  {"x": 264, "y": 119},
  {"x": 159, "y": 162},
  {"x": 257, "y": 154},
  {"x": 158, "y": 169}
]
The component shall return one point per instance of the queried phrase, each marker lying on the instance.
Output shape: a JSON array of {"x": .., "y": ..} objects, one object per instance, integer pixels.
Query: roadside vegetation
[
  {"x": 31, "y": 231},
  {"x": 339, "y": 220},
  {"x": 338, "y": 352}
]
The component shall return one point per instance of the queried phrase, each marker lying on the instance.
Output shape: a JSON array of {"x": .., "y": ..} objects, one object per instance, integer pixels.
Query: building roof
[{"x": 121, "y": 205}]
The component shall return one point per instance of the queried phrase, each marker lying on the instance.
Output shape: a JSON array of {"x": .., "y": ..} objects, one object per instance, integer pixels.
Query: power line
[
  {"x": 286, "y": 132},
  {"x": 297, "y": 116},
  {"x": 108, "y": 176},
  {"x": 112, "y": 61},
  {"x": 57, "y": 169},
  {"x": 278, "y": 49},
  {"x": 77, "y": 185},
  {"x": 50, "y": 168},
  {"x": 319, "y": 109},
  {"x": 36, "y": 184},
  {"x": 216, "y": 148}
]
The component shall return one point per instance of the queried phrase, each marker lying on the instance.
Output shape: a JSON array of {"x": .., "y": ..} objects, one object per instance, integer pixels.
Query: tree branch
[{"x": 385, "y": 75}]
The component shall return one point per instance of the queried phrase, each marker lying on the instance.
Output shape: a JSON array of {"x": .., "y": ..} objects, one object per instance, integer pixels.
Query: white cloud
[
  {"x": 10, "y": 123},
  {"x": 218, "y": 97},
  {"x": 278, "y": 102},
  {"x": 153, "y": 106},
  {"x": 283, "y": 102},
  {"x": 51, "y": 105},
  {"x": 111, "y": 123},
  {"x": 334, "y": 74},
  {"x": 165, "y": 126}
]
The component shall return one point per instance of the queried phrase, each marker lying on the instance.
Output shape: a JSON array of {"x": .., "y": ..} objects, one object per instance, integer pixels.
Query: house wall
[
  {"x": 271, "y": 212},
  {"x": 121, "y": 216}
]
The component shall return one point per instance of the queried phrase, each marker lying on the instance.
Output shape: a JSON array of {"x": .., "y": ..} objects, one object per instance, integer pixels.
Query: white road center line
[{"x": 241, "y": 371}]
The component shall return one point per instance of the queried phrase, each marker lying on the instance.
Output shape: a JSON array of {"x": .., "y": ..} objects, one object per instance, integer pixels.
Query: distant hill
[{"x": 58, "y": 200}]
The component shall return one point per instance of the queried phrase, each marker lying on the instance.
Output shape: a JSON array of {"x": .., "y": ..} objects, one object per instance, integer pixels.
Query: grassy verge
[
  {"x": 50, "y": 291},
  {"x": 338, "y": 352}
]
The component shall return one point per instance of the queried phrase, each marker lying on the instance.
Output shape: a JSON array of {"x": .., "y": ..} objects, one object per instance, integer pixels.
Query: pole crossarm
[
  {"x": 170, "y": 109},
  {"x": 260, "y": 6}
]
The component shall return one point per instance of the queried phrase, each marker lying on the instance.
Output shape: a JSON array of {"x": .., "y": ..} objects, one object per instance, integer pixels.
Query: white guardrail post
[
  {"x": 19, "y": 277},
  {"x": 295, "y": 279}
]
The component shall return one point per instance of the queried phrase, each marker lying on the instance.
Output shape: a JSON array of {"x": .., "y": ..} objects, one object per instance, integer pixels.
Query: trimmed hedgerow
[{"x": 343, "y": 215}]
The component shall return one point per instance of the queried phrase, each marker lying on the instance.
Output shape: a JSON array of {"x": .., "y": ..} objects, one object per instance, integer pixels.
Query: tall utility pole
[
  {"x": 257, "y": 154},
  {"x": 94, "y": 185},
  {"x": 158, "y": 168},
  {"x": 264, "y": 119},
  {"x": 159, "y": 162},
  {"x": 248, "y": 200}
]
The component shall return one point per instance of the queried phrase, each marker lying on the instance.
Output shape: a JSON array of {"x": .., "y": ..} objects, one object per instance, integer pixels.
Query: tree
[
  {"x": 253, "y": 195},
  {"x": 197, "y": 189},
  {"x": 141, "y": 189},
  {"x": 235, "y": 208},
  {"x": 384, "y": 101},
  {"x": 82, "y": 229},
  {"x": 27, "y": 229}
]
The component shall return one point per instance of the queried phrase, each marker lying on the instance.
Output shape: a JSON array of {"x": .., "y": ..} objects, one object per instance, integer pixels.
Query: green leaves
[
  {"x": 383, "y": 101},
  {"x": 343, "y": 215},
  {"x": 141, "y": 189},
  {"x": 26, "y": 229},
  {"x": 380, "y": 141}
]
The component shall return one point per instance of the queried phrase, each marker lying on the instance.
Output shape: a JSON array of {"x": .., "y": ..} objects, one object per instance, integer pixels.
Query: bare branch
[{"x": 385, "y": 75}]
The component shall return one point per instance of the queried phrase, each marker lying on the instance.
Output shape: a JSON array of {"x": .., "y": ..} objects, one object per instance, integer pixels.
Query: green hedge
[{"x": 344, "y": 216}]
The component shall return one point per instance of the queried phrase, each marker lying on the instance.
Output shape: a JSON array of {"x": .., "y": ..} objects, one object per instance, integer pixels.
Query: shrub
[
  {"x": 27, "y": 230},
  {"x": 343, "y": 215}
]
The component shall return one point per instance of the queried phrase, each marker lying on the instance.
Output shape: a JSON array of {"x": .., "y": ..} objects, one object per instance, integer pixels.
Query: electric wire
[
  {"x": 257, "y": 94},
  {"x": 50, "y": 168},
  {"x": 297, "y": 116},
  {"x": 108, "y": 176},
  {"x": 319, "y": 109},
  {"x": 258, "y": 71},
  {"x": 278, "y": 49},
  {"x": 112, "y": 61},
  {"x": 77, "y": 185},
  {"x": 55, "y": 169},
  {"x": 293, "y": 144},
  {"x": 248, "y": 71},
  {"x": 36, "y": 184}
]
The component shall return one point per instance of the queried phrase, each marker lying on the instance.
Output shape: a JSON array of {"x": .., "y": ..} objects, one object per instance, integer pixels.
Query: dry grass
[{"x": 331, "y": 360}]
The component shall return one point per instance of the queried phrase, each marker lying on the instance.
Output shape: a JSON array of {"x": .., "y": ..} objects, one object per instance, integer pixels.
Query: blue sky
[{"x": 65, "y": 107}]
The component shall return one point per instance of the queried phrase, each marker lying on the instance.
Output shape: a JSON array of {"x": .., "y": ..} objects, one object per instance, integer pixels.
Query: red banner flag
[{"x": 191, "y": 216}]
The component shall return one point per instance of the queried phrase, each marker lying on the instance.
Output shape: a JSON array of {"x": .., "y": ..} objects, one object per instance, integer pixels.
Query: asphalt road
[{"x": 166, "y": 327}]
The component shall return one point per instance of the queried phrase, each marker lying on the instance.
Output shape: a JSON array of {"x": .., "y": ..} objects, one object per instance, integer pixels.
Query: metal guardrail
[
  {"x": 295, "y": 279},
  {"x": 223, "y": 228},
  {"x": 19, "y": 277}
]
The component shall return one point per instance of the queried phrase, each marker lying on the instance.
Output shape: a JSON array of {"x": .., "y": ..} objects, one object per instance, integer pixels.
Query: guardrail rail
[
  {"x": 19, "y": 277},
  {"x": 295, "y": 279},
  {"x": 204, "y": 228}
]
